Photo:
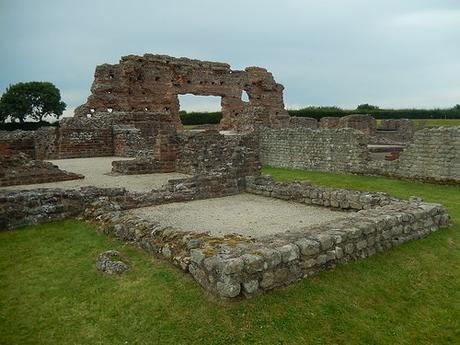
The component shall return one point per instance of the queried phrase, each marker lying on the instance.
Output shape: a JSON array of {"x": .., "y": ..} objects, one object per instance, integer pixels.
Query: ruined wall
[
  {"x": 197, "y": 153},
  {"x": 107, "y": 134},
  {"x": 238, "y": 266},
  {"x": 152, "y": 83},
  {"x": 323, "y": 149},
  {"x": 16, "y": 142},
  {"x": 363, "y": 123},
  {"x": 83, "y": 137},
  {"x": 128, "y": 141},
  {"x": 203, "y": 152},
  {"x": 394, "y": 131},
  {"x": 306, "y": 122},
  {"x": 25, "y": 207},
  {"x": 46, "y": 143},
  {"x": 434, "y": 155}
]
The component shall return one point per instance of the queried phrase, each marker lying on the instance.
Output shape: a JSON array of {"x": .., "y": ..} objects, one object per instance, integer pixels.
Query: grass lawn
[
  {"x": 51, "y": 293},
  {"x": 438, "y": 122}
]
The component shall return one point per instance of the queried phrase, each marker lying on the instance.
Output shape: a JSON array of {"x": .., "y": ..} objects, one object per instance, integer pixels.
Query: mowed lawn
[
  {"x": 438, "y": 122},
  {"x": 51, "y": 293}
]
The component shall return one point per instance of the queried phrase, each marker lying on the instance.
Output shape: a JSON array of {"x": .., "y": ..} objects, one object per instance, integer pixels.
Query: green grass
[
  {"x": 437, "y": 122},
  {"x": 51, "y": 293},
  {"x": 189, "y": 126}
]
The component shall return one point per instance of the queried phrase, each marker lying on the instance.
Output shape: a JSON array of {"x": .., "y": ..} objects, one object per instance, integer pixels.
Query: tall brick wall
[{"x": 322, "y": 149}]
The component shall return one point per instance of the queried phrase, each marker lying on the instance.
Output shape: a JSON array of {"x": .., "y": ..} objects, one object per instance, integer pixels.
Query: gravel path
[
  {"x": 245, "y": 214},
  {"x": 96, "y": 172}
]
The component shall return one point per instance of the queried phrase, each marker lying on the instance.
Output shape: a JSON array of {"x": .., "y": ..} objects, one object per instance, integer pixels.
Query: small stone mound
[
  {"x": 107, "y": 262},
  {"x": 19, "y": 169}
]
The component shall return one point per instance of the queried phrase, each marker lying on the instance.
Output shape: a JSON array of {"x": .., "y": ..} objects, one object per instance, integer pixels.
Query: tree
[
  {"x": 367, "y": 107},
  {"x": 32, "y": 99}
]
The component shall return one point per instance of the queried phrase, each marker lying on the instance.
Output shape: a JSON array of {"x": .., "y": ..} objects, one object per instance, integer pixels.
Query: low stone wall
[
  {"x": 393, "y": 131},
  {"x": 21, "y": 208},
  {"x": 210, "y": 151},
  {"x": 24, "y": 207},
  {"x": 304, "y": 193},
  {"x": 433, "y": 156},
  {"x": 16, "y": 142},
  {"x": 197, "y": 153},
  {"x": 305, "y": 122},
  {"x": 20, "y": 169},
  {"x": 100, "y": 134},
  {"x": 342, "y": 150},
  {"x": 85, "y": 137},
  {"x": 233, "y": 265}
]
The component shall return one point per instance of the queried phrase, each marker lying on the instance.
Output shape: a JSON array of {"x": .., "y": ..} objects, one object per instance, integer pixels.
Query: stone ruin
[
  {"x": 152, "y": 83},
  {"x": 17, "y": 169},
  {"x": 133, "y": 112}
]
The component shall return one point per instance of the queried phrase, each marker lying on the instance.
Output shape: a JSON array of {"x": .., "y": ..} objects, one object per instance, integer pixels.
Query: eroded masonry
[
  {"x": 197, "y": 197},
  {"x": 152, "y": 83}
]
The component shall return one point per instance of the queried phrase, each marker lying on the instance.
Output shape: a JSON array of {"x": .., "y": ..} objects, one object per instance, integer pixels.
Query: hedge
[
  {"x": 26, "y": 126},
  {"x": 203, "y": 118}
]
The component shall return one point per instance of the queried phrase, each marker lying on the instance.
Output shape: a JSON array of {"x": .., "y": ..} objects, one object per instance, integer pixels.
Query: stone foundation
[{"x": 232, "y": 265}]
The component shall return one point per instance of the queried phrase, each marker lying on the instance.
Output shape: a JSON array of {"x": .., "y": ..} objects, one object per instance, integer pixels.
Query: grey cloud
[{"x": 334, "y": 52}]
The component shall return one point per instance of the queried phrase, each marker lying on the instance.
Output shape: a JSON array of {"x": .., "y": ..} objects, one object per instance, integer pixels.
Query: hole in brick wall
[
  {"x": 206, "y": 109},
  {"x": 111, "y": 76},
  {"x": 109, "y": 110},
  {"x": 92, "y": 110},
  {"x": 146, "y": 109},
  {"x": 89, "y": 116},
  {"x": 244, "y": 96},
  {"x": 157, "y": 78}
]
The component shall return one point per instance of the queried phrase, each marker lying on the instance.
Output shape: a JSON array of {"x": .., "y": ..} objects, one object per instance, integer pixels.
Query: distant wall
[
  {"x": 434, "y": 155},
  {"x": 322, "y": 149}
]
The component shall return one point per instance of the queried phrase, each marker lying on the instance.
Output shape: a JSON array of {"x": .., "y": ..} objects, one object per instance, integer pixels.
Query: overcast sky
[{"x": 403, "y": 53}]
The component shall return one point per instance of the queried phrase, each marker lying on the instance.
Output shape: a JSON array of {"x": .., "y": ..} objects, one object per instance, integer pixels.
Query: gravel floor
[
  {"x": 96, "y": 172},
  {"x": 245, "y": 214}
]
